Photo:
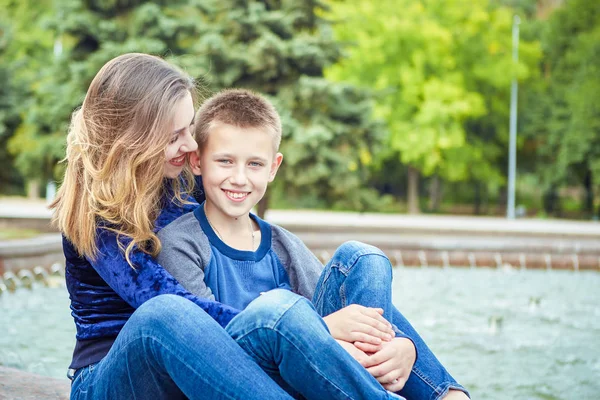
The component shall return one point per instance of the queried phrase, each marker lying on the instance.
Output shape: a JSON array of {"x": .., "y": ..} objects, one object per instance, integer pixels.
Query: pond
[{"x": 505, "y": 334}]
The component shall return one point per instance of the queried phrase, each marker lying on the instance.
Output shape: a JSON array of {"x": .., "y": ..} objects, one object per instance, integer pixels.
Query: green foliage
[
  {"x": 442, "y": 73},
  {"x": 281, "y": 48},
  {"x": 564, "y": 121}
]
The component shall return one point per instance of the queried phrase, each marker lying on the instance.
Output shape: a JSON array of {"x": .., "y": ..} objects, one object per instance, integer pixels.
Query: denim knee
[
  {"x": 269, "y": 307},
  {"x": 162, "y": 310},
  {"x": 267, "y": 311},
  {"x": 353, "y": 254}
]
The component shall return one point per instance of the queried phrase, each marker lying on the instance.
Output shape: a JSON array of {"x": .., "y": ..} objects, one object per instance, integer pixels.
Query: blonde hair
[
  {"x": 238, "y": 107},
  {"x": 116, "y": 143}
]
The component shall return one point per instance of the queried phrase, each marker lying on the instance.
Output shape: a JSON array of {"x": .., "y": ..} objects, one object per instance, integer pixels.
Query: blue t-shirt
[{"x": 236, "y": 277}]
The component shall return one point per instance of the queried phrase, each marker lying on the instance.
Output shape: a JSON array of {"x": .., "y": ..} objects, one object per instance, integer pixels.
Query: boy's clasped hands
[{"x": 370, "y": 339}]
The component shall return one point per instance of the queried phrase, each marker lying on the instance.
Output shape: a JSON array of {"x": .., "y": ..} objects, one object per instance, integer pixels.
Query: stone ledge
[{"x": 21, "y": 385}]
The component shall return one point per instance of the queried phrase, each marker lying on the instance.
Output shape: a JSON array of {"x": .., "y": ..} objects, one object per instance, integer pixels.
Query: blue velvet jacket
[{"x": 105, "y": 292}]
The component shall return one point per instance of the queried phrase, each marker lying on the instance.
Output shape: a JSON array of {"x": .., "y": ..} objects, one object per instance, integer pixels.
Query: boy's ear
[
  {"x": 275, "y": 166},
  {"x": 195, "y": 163}
]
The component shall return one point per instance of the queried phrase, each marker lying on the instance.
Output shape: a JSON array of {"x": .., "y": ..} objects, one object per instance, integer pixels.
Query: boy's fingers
[
  {"x": 377, "y": 317},
  {"x": 378, "y": 358},
  {"x": 374, "y": 331},
  {"x": 381, "y": 370},
  {"x": 367, "y": 347},
  {"x": 395, "y": 386},
  {"x": 391, "y": 377},
  {"x": 387, "y": 333},
  {"x": 365, "y": 338}
]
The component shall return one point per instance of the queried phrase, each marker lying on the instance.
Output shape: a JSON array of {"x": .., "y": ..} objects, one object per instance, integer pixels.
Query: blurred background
[
  {"x": 401, "y": 107},
  {"x": 389, "y": 105}
]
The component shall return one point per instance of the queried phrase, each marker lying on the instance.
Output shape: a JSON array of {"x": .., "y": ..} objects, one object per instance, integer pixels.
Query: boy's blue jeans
[
  {"x": 171, "y": 349},
  {"x": 362, "y": 274}
]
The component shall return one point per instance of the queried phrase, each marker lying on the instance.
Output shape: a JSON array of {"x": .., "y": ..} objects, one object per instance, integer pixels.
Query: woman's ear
[{"x": 194, "y": 159}]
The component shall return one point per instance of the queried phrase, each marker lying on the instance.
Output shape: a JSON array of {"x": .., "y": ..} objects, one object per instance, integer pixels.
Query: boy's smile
[{"x": 236, "y": 165}]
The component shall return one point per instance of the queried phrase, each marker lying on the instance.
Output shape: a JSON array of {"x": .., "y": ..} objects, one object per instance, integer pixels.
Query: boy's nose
[{"x": 239, "y": 177}]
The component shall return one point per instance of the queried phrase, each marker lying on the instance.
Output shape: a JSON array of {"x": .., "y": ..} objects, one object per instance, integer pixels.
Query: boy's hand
[
  {"x": 391, "y": 365},
  {"x": 356, "y": 323},
  {"x": 357, "y": 354}
]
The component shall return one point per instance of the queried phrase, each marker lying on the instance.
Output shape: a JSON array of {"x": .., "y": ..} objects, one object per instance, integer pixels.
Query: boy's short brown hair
[{"x": 238, "y": 107}]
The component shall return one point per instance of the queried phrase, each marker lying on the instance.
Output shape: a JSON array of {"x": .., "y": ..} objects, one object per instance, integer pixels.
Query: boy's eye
[
  {"x": 256, "y": 164},
  {"x": 224, "y": 161}
]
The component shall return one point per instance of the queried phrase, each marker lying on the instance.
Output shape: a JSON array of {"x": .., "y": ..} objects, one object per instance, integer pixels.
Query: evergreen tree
[
  {"x": 275, "y": 47},
  {"x": 281, "y": 48}
]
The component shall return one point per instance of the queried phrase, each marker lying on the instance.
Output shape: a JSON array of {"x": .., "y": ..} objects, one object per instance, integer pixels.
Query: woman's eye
[{"x": 173, "y": 139}]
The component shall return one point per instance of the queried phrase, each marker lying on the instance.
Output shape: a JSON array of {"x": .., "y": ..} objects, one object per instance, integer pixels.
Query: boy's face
[{"x": 236, "y": 165}]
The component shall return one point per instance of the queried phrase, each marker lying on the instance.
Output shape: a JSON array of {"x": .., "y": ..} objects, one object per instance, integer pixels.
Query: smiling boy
[{"x": 225, "y": 253}]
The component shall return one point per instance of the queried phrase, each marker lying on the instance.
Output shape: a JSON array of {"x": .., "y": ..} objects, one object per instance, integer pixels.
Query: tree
[
  {"x": 58, "y": 56},
  {"x": 565, "y": 118},
  {"x": 438, "y": 70},
  {"x": 281, "y": 48},
  {"x": 23, "y": 50}
]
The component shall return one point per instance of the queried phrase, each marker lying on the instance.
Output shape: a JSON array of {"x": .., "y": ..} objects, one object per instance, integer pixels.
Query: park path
[{"x": 415, "y": 240}]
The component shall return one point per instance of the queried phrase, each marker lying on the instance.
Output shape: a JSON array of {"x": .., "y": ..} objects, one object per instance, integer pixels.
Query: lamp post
[{"x": 512, "y": 146}]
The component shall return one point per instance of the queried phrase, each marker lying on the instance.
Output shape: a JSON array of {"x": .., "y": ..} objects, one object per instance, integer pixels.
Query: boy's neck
[{"x": 238, "y": 233}]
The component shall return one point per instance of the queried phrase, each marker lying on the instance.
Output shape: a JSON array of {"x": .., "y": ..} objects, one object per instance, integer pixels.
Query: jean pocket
[{"x": 82, "y": 382}]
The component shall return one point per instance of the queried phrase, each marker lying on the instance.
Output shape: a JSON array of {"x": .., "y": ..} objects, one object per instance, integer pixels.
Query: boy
[{"x": 224, "y": 253}]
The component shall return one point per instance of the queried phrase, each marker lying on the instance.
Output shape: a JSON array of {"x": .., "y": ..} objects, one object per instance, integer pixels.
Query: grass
[{"x": 9, "y": 233}]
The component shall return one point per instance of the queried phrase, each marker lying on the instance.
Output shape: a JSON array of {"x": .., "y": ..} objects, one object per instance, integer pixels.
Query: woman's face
[{"x": 182, "y": 142}]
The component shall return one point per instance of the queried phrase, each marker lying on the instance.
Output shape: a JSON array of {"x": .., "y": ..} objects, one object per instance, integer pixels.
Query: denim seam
[
  {"x": 320, "y": 293},
  {"x": 124, "y": 346},
  {"x": 446, "y": 387},
  {"x": 312, "y": 365},
  {"x": 179, "y": 359},
  {"x": 346, "y": 267},
  {"x": 280, "y": 333},
  {"x": 427, "y": 381}
]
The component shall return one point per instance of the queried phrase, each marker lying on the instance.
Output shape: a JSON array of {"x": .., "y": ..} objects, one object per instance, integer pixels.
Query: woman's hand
[
  {"x": 391, "y": 365},
  {"x": 357, "y": 354},
  {"x": 356, "y": 323}
]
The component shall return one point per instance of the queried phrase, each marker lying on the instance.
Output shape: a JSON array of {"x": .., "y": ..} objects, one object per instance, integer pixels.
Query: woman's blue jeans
[
  {"x": 171, "y": 349},
  {"x": 362, "y": 274}
]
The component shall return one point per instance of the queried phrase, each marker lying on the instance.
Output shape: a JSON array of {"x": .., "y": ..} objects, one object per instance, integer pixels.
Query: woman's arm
[{"x": 147, "y": 279}]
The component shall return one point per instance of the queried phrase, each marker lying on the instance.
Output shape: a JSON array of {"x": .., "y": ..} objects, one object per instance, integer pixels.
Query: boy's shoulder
[
  {"x": 184, "y": 226},
  {"x": 184, "y": 236},
  {"x": 280, "y": 233}
]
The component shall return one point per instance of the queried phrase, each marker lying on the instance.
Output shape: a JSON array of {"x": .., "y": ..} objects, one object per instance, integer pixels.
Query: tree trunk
[
  {"x": 413, "y": 190},
  {"x": 263, "y": 205},
  {"x": 589, "y": 194},
  {"x": 477, "y": 199},
  {"x": 33, "y": 189},
  {"x": 549, "y": 200},
  {"x": 435, "y": 193}
]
